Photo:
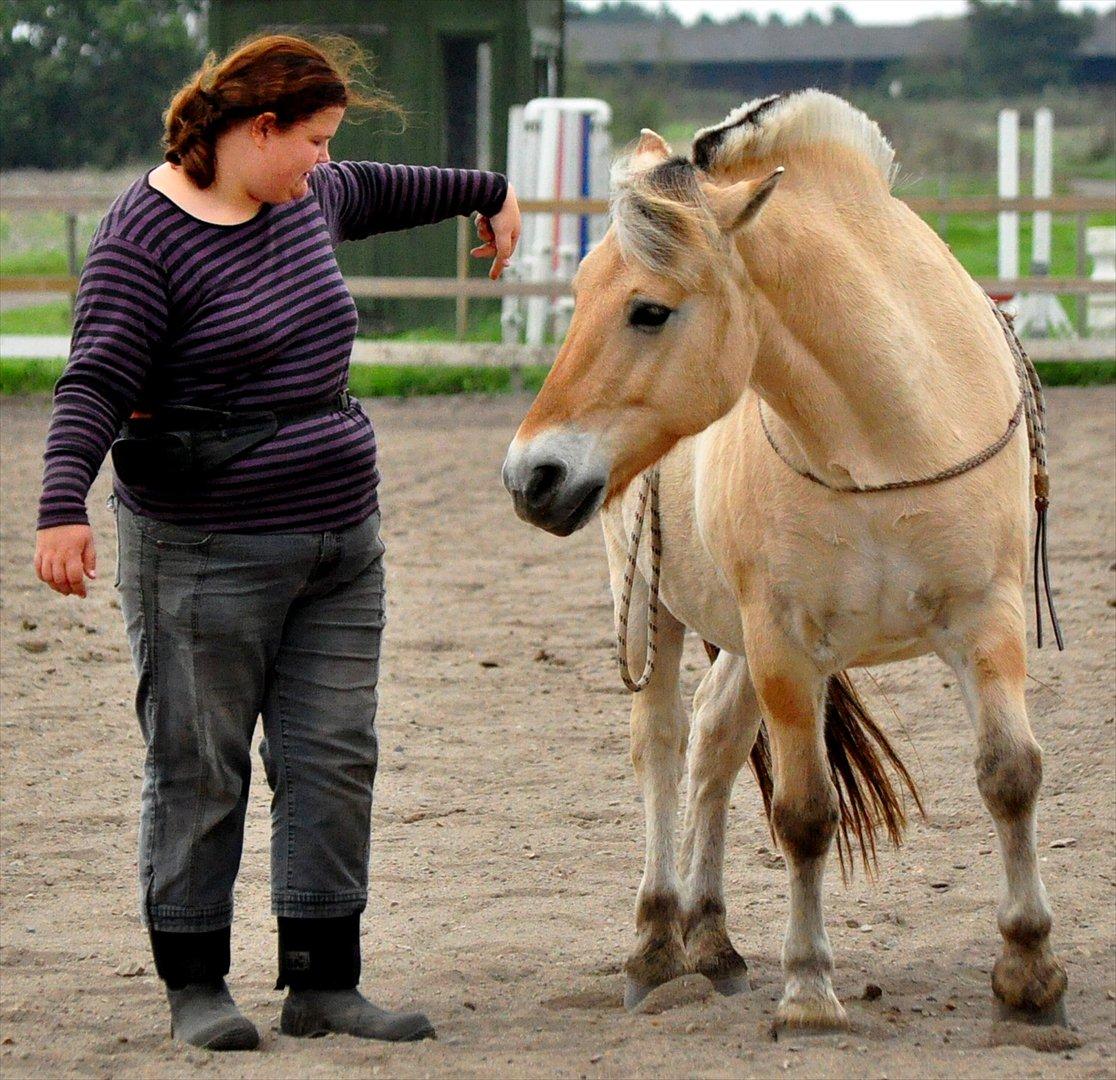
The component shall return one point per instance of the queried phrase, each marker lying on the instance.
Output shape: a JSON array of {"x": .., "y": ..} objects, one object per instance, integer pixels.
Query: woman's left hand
[{"x": 500, "y": 234}]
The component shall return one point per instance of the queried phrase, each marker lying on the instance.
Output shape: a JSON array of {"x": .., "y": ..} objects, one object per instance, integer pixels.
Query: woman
[{"x": 213, "y": 324}]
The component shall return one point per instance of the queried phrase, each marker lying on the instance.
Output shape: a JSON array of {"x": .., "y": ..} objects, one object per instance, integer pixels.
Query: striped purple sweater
[{"x": 172, "y": 310}]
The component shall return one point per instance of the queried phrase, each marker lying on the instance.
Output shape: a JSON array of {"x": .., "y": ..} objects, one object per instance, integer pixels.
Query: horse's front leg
[
  {"x": 804, "y": 813},
  {"x": 725, "y": 720},
  {"x": 989, "y": 659},
  {"x": 658, "y": 743}
]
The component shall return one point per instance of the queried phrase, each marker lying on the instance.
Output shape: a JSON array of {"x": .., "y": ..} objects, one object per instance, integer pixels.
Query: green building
[{"x": 456, "y": 67}]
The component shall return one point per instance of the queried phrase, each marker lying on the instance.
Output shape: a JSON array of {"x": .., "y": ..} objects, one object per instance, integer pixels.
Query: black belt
[{"x": 195, "y": 418}]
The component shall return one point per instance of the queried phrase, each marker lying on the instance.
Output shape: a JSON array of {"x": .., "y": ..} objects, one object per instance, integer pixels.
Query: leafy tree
[
  {"x": 85, "y": 82},
  {"x": 838, "y": 16},
  {"x": 1022, "y": 47},
  {"x": 622, "y": 11}
]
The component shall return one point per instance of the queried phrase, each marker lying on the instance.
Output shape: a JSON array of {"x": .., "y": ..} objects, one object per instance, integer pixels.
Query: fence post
[
  {"x": 461, "y": 304},
  {"x": 1082, "y": 301}
]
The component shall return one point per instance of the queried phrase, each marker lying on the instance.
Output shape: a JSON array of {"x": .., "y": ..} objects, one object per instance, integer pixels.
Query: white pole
[
  {"x": 1009, "y": 189},
  {"x": 1043, "y": 189}
]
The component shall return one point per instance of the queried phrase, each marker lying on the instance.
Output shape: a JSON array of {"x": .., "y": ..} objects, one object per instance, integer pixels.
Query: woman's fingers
[
  {"x": 75, "y": 574},
  {"x": 64, "y": 556},
  {"x": 89, "y": 558}
]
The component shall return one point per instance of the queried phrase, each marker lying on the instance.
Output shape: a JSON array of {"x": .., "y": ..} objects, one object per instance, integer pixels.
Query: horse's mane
[
  {"x": 768, "y": 125},
  {"x": 662, "y": 219}
]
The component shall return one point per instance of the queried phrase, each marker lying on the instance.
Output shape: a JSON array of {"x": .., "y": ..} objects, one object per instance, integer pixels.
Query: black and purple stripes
[{"x": 172, "y": 310}]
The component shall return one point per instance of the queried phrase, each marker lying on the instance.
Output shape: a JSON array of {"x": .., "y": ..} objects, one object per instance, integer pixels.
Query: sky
[{"x": 862, "y": 11}]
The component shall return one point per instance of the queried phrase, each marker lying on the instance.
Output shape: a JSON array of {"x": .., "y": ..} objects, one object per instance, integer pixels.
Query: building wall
[{"x": 419, "y": 48}]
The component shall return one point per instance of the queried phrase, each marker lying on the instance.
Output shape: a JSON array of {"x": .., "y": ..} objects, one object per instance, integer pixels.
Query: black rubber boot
[
  {"x": 203, "y": 1013},
  {"x": 319, "y": 961}
]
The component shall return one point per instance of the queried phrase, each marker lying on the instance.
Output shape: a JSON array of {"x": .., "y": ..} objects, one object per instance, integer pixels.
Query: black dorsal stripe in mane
[
  {"x": 705, "y": 148},
  {"x": 675, "y": 177}
]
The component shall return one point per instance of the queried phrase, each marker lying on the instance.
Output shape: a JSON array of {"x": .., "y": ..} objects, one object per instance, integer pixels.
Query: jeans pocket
[{"x": 166, "y": 534}]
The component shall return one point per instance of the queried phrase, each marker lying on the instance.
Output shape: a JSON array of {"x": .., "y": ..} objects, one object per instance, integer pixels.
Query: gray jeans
[{"x": 224, "y": 628}]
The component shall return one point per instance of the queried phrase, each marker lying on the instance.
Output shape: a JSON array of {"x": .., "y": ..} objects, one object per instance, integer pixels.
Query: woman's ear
[{"x": 262, "y": 126}]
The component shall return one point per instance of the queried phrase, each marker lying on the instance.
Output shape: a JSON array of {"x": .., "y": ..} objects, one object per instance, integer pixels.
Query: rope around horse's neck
[
  {"x": 898, "y": 485},
  {"x": 649, "y": 487}
]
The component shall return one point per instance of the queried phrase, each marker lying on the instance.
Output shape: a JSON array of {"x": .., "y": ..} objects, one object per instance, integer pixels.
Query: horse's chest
[{"x": 857, "y": 591}]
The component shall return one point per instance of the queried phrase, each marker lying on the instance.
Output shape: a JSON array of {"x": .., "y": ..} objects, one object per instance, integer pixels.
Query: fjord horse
[{"x": 783, "y": 337}]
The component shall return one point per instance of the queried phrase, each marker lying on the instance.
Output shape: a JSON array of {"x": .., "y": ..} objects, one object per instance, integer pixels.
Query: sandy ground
[{"x": 508, "y": 830}]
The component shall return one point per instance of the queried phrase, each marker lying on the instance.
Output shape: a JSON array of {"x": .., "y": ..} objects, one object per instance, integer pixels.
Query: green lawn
[
  {"x": 365, "y": 380},
  {"x": 376, "y": 380}
]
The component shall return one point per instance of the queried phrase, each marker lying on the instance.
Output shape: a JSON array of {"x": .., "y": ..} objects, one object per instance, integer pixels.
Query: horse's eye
[{"x": 649, "y": 317}]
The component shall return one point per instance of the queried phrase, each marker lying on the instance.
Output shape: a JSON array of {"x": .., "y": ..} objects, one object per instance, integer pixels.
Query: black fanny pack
[{"x": 183, "y": 444}]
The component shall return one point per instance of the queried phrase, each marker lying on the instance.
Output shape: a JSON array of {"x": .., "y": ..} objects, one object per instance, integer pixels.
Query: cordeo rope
[{"x": 649, "y": 488}]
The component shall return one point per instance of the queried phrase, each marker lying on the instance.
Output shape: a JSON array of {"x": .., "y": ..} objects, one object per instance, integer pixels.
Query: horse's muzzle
[{"x": 555, "y": 482}]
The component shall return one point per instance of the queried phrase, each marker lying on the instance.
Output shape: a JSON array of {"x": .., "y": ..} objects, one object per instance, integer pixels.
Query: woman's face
[{"x": 288, "y": 154}]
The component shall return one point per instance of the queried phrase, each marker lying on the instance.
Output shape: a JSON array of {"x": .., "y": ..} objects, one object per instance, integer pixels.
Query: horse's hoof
[
  {"x": 735, "y": 982},
  {"x": 685, "y": 990},
  {"x": 1054, "y": 1015},
  {"x": 634, "y": 992},
  {"x": 806, "y": 1016}
]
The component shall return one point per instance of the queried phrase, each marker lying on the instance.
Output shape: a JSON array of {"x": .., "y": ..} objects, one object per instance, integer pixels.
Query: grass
[
  {"x": 365, "y": 380},
  {"x": 19, "y": 377}
]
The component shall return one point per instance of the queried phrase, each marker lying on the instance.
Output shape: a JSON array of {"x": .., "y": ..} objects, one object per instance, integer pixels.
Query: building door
[{"x": 467, "y": 78}]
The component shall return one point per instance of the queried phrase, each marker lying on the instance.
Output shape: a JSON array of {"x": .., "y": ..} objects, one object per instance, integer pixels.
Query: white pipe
[
  {"x": 1043, "y": 189},
  {"x": 1009, "y": 189}
]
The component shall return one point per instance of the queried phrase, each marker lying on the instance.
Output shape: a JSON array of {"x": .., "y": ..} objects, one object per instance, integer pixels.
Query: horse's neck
[{"x": 879, "y": 360}]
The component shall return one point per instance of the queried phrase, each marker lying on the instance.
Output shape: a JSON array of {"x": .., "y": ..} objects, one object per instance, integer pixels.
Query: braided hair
[{"x": 279, "y": 73}]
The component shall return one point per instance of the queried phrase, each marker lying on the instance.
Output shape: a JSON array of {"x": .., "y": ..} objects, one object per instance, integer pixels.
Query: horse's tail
[{"x": 859, "y": 753}]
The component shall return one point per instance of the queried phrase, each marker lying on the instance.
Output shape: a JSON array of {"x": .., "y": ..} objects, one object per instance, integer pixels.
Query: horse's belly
[{"x": 865, "y": 606}]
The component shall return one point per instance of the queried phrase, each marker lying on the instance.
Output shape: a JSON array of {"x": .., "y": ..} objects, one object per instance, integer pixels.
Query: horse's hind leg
[
  {"x": 658, "y": 740},
  {"x": 1028, "y": 980},
  {"x": 725, "y": 719}
]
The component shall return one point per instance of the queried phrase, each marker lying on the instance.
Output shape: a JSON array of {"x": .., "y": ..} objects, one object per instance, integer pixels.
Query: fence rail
[{"x": 462, "y": 288}]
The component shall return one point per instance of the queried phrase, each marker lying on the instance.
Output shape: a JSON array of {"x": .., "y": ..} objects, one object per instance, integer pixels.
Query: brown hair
[{"x": 289, "y": 76}]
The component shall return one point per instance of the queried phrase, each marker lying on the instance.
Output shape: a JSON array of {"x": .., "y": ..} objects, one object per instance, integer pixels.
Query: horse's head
[{"x": 661, "y": 343}]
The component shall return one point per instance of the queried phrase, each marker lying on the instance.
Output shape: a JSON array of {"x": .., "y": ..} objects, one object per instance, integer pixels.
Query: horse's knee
[
  {"x": 1009, "y": 775},
  {"x": 657, "y": 733},
  {"x": 806, "y": 825}
]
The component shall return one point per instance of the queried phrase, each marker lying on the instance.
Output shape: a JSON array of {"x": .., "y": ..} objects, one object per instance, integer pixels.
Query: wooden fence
[{"x": 463, "y": 288}]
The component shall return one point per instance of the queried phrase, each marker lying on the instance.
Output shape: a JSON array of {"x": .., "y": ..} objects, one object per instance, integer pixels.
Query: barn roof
[{"x": 594, "y": 42}]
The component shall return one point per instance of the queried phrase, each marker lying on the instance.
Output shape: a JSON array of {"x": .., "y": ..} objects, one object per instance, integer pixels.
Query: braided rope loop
[{"x": 648, "y": 491}]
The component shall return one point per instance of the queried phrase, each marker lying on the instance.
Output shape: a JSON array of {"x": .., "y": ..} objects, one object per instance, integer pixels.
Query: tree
[
  {"x": 1022, "y": 47},
  {"x": 85, "y": 82},
  {"x": 838, "y": 16}
]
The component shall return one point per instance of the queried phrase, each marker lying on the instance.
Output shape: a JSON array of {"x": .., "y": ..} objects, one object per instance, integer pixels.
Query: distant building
[{"x": 762, "y": 59}]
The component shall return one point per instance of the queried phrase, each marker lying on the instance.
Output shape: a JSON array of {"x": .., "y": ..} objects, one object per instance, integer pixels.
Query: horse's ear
[
  {"x": 736, "y": 206},
  {"x": 651, "y": 150}
]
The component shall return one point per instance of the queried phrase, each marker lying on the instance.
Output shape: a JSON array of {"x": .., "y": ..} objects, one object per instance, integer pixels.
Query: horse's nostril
[{"x": 544, "y": 479}]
